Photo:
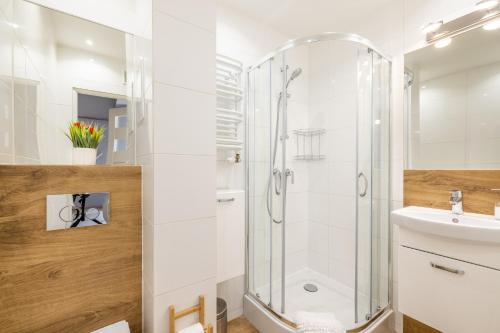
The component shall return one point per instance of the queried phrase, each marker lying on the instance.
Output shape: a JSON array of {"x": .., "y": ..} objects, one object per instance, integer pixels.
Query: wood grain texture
[
  {"x": 411, "y": 325},
  {"x": 241, "y": 325},
  {"x": 431, "y": 188},
  {"x": 73, "y": 280}
]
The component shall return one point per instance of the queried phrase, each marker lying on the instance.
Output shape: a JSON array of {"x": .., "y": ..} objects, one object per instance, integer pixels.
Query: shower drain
[{"x": 312, "y": 288}]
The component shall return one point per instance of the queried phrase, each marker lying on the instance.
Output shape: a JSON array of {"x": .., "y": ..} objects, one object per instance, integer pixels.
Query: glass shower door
[
  {"x": 373, "y": 160},
  {"x": 380, "y": 230},
  {"x": 258, "y": 158},
  {"x": 277, "y": 188},
  {"x": 364, "y": 186},
  {"x": 265, "y": 195}
]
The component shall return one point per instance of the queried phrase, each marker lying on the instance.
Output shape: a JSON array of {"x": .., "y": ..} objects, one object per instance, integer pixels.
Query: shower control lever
[{"x": 290, "y": 173}]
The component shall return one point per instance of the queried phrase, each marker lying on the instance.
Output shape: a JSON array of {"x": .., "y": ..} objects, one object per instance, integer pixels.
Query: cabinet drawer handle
[
  {"x": 225, "y": 200},
  {"x": 447, "y": 269}
]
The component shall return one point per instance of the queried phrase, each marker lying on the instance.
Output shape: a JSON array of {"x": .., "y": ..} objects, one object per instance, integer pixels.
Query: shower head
[{"x": 294, "y": 75}]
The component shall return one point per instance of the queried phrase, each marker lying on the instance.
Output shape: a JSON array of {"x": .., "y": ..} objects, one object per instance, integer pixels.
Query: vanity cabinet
[
  {"x": 230, "y": 234},
  {"x": 452, "y": 293}
]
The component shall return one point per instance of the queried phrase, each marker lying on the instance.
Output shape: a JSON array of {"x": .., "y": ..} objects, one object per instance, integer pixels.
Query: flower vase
[{"x": 84, "y": 156}]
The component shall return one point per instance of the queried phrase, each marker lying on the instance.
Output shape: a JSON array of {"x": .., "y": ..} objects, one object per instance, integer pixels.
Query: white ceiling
[
  {"x": 297, "y": 18},
  {"x": 73, "y": 32},
  {"x": 472, "y": 49}
]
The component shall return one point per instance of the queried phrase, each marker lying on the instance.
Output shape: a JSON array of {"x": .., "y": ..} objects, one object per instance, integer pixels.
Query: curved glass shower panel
[
  {"x": 381, "y": 181},
  {"x": 258, "y": 150},
  {"x": 318, "y": 212},
  {"x": 330, "y": 105},
  {"x": 364, "y": 197},
  {"x": 263, "y": 162}
]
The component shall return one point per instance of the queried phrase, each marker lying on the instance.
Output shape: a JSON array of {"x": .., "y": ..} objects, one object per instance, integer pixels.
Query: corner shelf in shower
[
  {"x": 229, "y": 96},
  {"x": 308, "y": 144}
]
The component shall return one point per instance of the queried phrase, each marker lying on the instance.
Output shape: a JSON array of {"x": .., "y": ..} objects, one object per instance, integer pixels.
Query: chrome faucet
[{"x": 456, "y": 202}]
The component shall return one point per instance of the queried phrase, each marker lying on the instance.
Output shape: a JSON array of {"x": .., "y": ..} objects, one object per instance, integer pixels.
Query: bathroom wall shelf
[
  {"x": 308, "y": 144},
  {"x": 229, "y": 93}
]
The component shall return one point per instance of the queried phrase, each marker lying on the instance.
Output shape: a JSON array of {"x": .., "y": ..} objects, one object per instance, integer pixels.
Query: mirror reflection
[
  {"x": 453, "y": 103},
  {"x": 57, "y": 69}
]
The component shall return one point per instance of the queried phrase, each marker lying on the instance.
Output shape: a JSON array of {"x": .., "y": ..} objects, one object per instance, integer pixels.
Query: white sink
[{"x": 473, "y": 227}]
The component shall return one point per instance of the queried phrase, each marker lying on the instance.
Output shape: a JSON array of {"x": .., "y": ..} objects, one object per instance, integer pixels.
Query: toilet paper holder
[{"x": 200, "y": 308}]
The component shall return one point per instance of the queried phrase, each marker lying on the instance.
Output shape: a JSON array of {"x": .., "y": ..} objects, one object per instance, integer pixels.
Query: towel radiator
[{"x": 229, "y": 114}]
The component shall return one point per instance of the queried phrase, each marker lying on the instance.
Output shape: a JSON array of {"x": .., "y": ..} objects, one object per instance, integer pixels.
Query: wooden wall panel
[
  {"x": 431, "y": 188},
  {"x": 74, "y": 280}
]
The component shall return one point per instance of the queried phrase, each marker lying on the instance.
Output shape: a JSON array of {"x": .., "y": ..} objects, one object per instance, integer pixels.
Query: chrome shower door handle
[
  {"x": 362, "y": 190},
  {"x": 277, "y": 181}
]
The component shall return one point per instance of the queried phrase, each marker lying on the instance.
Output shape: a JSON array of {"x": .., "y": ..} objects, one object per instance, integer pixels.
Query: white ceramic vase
[{"x": 84, "y": 156}]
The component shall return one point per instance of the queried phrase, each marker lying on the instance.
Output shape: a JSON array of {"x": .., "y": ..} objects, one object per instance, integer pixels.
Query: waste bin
[{"x": 221, "y": 316}]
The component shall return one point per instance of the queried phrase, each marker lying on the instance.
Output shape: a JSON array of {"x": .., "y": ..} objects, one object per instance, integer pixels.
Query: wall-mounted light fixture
[
  {"x": 492, "y": 25},
  {"x": 486, "y": 15},
  {"x": 432, "y": 27},
  {"x": 487, "y": 4},
  {"x": 443, "y": 43}
]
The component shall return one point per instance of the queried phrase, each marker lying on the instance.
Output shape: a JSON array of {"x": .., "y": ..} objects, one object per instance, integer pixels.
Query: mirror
[
  {"x": 56, "y": 69},
  {"x": 452, "y": 102},
  {"x": 65, "y": 211}
]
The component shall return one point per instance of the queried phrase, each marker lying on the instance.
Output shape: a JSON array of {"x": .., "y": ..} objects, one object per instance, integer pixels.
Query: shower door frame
[{"x": 327, "y": 36}]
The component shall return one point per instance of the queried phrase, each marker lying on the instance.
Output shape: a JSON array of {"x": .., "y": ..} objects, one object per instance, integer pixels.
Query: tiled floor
[{"x": 241, "y": 325}]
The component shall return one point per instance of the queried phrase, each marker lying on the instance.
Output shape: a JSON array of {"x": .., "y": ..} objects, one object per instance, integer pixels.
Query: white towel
[
  {"x": 318, "y": 322},
  {"x": 196, "y": 328},
  {"x": 119, "y": 327}
]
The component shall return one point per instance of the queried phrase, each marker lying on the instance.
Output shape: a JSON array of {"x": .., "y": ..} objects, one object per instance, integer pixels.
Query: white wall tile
[
  {"x": 184, "y": 52},
  {"x": 318, "y": 207},
  {"x": 232, "y": 292},
  {"x": 184, "y": 121},
  {"x": 147, "y": 163},
  {"x": 184, "y": 187},
  {"x": 185, "y": 253},
  {"x": 297, "y": 207},
  {"x": 296, "y": 236},
  {"x": 343, "y": 245},
  {"x": 197, "y": 12},
  {"x": 296, "y": 261},
  {"x": 342, "y": 272},
  {"x": 343, "y": 178},
  {"x": 318, "y": 262},
  {"x": 318, "y": 238},
  {"x": 182, "y": 299},
  {"x": 148, "y": 310},
  {"x": 342, "y": 211},
  {"x": 342, "y": 144},
  {"x": 148, "y": 243},
  {"x": 318, "y": 176}
]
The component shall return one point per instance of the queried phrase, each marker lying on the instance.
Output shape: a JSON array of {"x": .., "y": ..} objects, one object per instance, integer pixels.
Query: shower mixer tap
[{"x": 290, "y": 173}]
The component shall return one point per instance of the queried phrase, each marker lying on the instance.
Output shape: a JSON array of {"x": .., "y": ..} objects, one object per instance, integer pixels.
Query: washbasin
[{"x": 469, "y": 226}]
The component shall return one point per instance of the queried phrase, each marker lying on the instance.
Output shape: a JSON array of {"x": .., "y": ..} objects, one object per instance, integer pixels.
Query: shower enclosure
[{"x": 318, "y": 180}]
